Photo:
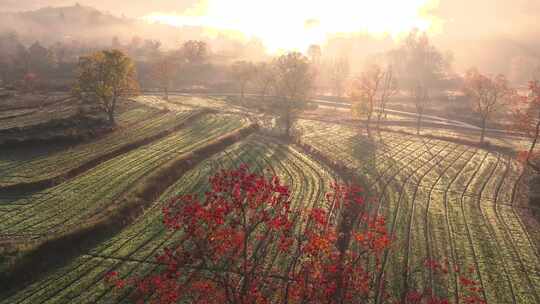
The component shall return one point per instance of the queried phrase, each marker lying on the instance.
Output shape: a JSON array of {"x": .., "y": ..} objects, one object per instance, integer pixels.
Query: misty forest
[{"x": 291, "y": 152}]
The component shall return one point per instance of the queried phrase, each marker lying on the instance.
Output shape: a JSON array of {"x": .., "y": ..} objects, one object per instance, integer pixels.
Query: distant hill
[{"x": 52, "y": 24}]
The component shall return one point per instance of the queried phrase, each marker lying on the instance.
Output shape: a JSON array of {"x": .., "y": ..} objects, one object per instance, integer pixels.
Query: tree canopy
[{"x": 104, "y": 77}]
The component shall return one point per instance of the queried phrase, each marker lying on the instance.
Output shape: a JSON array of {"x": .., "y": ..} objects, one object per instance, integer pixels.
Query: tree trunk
[
  {"x": 482, "y": 135},
  {"x": 418, "y": 124},
  {"x": 288, "y": 124},
  {"x": 368, "y": 121},
  {"x": 110, "y": 113},
  {"x": 166, "y": 93}
]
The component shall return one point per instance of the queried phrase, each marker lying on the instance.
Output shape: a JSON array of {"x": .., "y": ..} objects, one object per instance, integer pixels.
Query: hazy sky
[
  {"x": 486, "y": 33},
  {"x": 460, "y": 17}
]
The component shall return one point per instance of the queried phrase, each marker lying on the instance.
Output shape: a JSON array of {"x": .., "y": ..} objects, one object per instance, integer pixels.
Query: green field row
[
  {"x": 132, "y": 251},
  {"x": 65, "y": 206},
  {"x": 446, "y": 202},
  {"x": 23, "y": 165}
]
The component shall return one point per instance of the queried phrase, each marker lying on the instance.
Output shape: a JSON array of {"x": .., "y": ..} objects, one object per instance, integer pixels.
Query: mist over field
[{"x": 270, "y": 152}]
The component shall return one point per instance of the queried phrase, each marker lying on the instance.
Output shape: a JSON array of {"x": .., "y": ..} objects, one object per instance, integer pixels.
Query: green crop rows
[
  {"x": 132, "y": 251},
  {"x": 68, "y": 204},
  {"x": 444, "y": 201},
  {"x": 135, "y": 124}
]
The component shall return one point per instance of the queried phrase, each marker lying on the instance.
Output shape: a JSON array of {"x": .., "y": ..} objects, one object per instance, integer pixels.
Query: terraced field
[
  {"x": 446, "y": 202},
  {"x": 137, "y": 123},
  {"x": 65, "y": 206},
  {"x": 131, "y": 252},
  {"x": 443, "y": 201},
  {"x": 28, "y": 117}
]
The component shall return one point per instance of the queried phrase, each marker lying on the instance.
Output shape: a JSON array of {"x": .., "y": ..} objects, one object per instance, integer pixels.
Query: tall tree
[
  {"x": 244, "y": 72},
  {"x": 163, "y": 71},
  {"x": 487, "y": 95},
  {"x": 293, "y": 84},
  {"x": 420, "y": 67},
  {"x": 105, "y": 77},
  {"x": 388, "y": 89}
]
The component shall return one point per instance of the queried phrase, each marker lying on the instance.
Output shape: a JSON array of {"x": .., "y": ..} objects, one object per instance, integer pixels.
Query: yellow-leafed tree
[{"x": 104, "y": 78}]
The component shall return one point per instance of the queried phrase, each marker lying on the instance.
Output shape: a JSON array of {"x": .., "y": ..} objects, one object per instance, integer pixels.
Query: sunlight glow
[{"x": 288, "y": 25}]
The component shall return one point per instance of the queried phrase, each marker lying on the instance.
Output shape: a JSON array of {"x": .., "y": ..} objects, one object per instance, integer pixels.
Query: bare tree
[
  {"x": 388, "y": 89},
  {"x": 293, "y": 85},
  {"x": 163, "y": 71},
  {"x": 487, "y": 95},
  {"x": 372, "y": 89},
  {"x": 244, "y": 72}
]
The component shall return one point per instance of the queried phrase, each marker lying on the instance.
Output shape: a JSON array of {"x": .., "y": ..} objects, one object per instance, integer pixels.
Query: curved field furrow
[
  {"x": 420, "y": 220},
  {"x": 70, "y": 203},
  {"x": 23, "y": 168},
  {"x": 439, "y": 243},
  {"x": 459, "y": 207},
  {"x": 131, "y": 252},
  {"x": 392, "y": 200}
]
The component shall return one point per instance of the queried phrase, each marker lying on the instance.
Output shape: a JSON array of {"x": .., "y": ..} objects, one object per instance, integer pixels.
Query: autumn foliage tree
[
  {"x": 487, "y": 94},
  {"x": 244, "y": 242},
  {"x": 526, "y": 116},
  {"x": 104, "y": 78}
]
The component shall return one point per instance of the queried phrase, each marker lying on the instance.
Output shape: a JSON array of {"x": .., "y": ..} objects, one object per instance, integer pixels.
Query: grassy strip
[
  {"x": 55, "y": 180},
  {"x": 35, "y": 259}
]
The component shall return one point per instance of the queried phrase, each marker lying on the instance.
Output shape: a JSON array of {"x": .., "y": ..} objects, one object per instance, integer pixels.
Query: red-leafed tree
[
  {"x": 487, "y": 94},
  {"x": 526, "y": 116},
  {"x": 243, "y": 243}
]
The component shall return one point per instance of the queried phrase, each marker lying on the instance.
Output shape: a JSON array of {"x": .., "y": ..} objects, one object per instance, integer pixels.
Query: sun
[{"x": 294, "y": 25}]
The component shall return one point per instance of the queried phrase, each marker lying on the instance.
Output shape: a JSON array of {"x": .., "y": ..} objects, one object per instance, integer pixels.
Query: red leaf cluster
[{"x": 243, "y": 243}]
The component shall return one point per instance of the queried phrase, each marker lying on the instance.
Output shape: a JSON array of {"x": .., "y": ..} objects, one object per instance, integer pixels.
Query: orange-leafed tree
[
  {"x": 487, "y": 94},
  {"x": 526, "y": 116},
  {"x": 243, "y": 242}
]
